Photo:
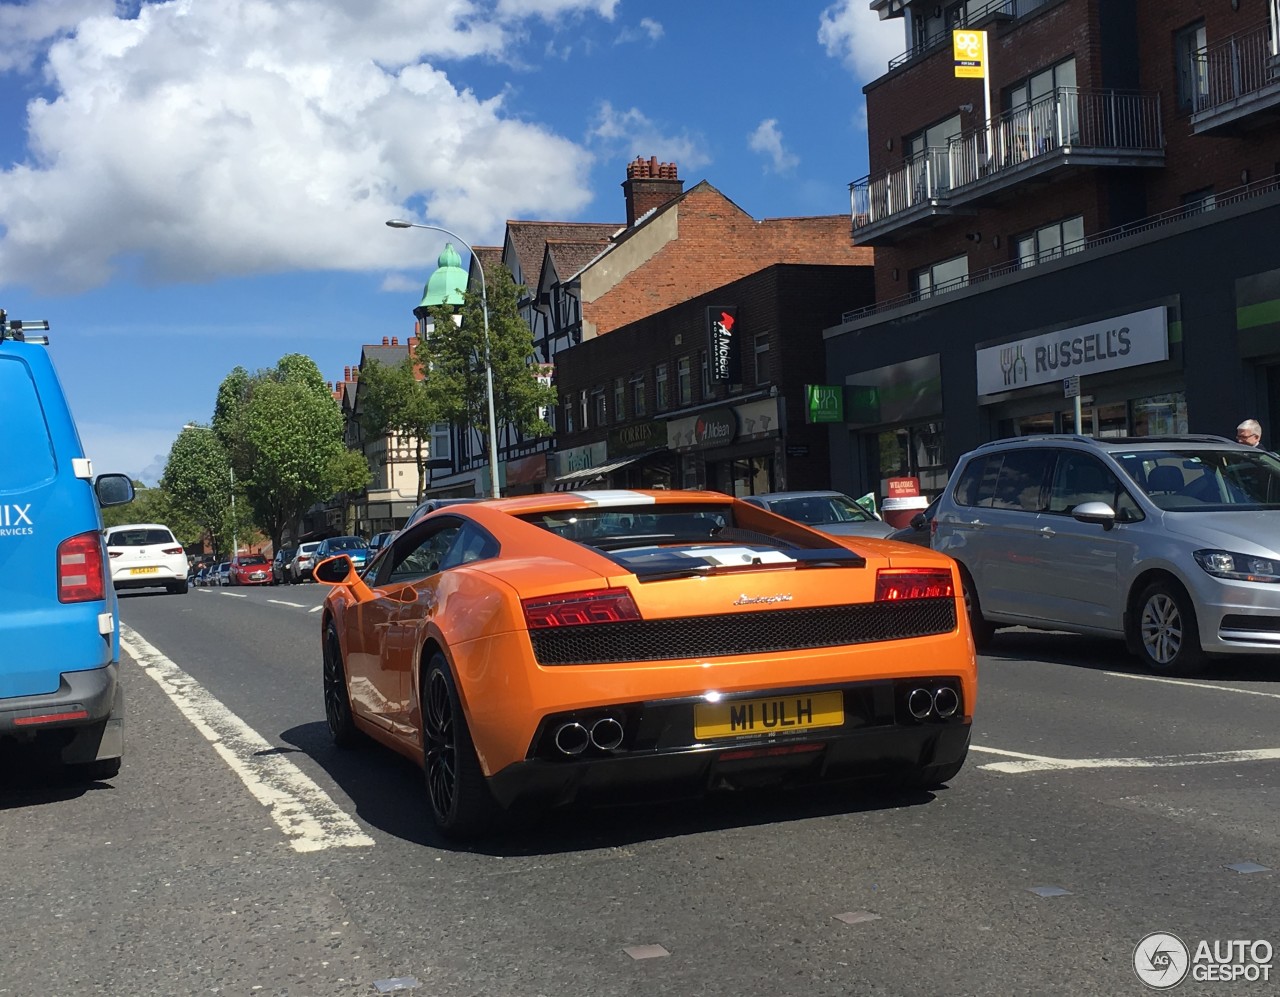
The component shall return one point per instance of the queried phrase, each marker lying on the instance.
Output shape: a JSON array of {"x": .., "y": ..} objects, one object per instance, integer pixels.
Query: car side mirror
[
  {"x": 113, "y": 489},
  {"x": 919, "y": 521},
  {"x": 1095, "y": 512}
]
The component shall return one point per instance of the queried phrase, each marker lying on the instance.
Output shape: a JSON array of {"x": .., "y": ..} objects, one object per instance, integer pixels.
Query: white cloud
[
  {"x": 554, "y": 10},
  {"x": 400, "y": 283},
  {"x": 855, "y": 35},
  {"x": 767, "y": 140},
  {"x": 26, "y": 30},
  {"x": 207, "y": 138},
  {"x": 631, "y": 133},
  {"x": 648, "y": 29}
]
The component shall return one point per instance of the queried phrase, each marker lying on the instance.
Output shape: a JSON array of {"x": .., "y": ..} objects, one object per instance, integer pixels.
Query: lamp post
[
  {"x": 488, "y": 365},
  {"x": 235, "y": 524}
]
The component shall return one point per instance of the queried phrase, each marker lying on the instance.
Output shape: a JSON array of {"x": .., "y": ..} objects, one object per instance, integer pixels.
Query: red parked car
[{"x": 250, "y": 569}]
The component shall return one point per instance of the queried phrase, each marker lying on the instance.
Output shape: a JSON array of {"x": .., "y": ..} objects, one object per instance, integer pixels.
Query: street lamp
[
  {"x": 488, "y": 365},
  {"x": 235, "y": 523}
]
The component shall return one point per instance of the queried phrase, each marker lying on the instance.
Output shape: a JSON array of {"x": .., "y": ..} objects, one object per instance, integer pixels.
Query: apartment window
[
  {"x": 941, "y": 277},
  {"x": 570, "y": 424},
  {"x": 1042, "y": 112},
  {"x": 684, "y": 381},
  {"x": 1050, "y": 241},
  {"x": 599, "y": 407},
  {"x": 583, "y": 409},
  {"x": 936, "y": 175},
  {"x": 439, "y": 442},
  {"x": 1192, "y": 69},
  {"x": 637, "y": 396},
  {"x": 761, "y": 353},
  {"x": 1198, "y": 201},
  {"x": 660, "y": 400},
  {"x": 619, "y": 399},
  {"x": 706, "y": 376}
]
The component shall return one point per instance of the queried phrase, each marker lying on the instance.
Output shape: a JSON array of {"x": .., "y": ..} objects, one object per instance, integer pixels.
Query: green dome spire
[{"x": 447, "y": 284}]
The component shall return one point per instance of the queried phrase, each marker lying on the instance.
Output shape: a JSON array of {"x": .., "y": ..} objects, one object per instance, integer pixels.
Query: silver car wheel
[{"x": 1161, "y": 628}]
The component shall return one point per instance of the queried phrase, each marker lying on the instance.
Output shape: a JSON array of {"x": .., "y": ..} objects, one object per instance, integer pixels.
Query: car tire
[
  {"x": 178, "y": 589},
  {"x": 983, "y": 631},
  {"x": 461, "y": 804},
  {"x": 337, "y": 698},
  {"x": 1167, "y": 637}
]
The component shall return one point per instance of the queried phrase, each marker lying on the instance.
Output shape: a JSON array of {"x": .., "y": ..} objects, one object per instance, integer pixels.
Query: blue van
[{"x": 59, "y": 622}]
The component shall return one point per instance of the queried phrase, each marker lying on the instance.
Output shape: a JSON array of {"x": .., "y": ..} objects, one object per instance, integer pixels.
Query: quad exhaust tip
[
  {"x": 605, "y": 734},
  {"x": 572, "y": 739}
]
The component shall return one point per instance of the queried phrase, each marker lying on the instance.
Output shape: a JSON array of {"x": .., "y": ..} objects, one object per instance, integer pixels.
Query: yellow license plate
[
  {"x": 143, "y": 571},
  {"x": 776, "y": 715}
]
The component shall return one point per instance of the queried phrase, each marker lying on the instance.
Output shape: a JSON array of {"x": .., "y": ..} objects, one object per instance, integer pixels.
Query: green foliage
[
  {"x": 154, "y": 505},
  {"x": 454, "y": 356},
  {"x": 391, "y": 400},
  {"x": 198, "y": 480}
]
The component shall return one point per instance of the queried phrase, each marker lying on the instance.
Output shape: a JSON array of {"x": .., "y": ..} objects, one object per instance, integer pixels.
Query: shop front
[
  {"x": 735, "y": 449},
  {"x": 527, "y": 475}
]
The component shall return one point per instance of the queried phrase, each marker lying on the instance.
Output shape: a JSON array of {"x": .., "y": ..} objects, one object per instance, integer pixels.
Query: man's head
[{"x": 1249, "y": 432}]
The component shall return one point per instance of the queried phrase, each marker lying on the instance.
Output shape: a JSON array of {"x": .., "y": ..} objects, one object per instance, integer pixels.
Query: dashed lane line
[
  {"x": 304, "y": 812},
  {"x": 1043, "y": 763},
  {"x": 281, "y": 602},
  {"x": 234, "y": 595}
]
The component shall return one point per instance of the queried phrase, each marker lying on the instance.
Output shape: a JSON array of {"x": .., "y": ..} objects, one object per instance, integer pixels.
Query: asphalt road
[{"x": 239, "y": 853}]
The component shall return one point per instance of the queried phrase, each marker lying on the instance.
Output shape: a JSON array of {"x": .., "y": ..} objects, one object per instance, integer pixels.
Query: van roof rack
[{"x": 17, "y": 329}]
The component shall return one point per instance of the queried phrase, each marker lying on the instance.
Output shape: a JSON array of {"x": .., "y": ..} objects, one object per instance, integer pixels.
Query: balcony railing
[
  {"x": 1120, "y": 233},
  {"x": 1234, "y": 69},
  {"x": 974, "y": 14},
  {"x": 1065, "y": 121}
]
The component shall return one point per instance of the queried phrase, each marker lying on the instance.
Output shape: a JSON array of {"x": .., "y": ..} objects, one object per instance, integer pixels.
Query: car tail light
[
  {"x": 893, "y": 584},
  {"x": 574, "y": 609},
  {"x": 80, "y": 575},
  {"x": 173, "y": 550}
]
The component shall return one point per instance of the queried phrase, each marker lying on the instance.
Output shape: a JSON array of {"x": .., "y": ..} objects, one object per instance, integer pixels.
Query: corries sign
[{"x": 1114, "y": 343}]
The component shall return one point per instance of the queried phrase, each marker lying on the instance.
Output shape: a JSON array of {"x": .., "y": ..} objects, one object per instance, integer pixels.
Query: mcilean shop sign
[{"x": 1123, "y": 341}]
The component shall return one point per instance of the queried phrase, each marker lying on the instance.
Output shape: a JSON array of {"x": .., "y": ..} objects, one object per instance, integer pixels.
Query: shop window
[
  {"x": 762, "y": 358},
  {"x": 660, "y": 399},
  {"x": 1159, "y": 415},
  {"x": 619, "y": 399},
  {"x": 914, "y": 451},
  {"x": 941, "y": 277},
  {"x": 684, "y": 381},
  {"x": 637, "y": 396},
  {"x": 1191, "y": 66},
  {"x": 1050, "y": 242}
]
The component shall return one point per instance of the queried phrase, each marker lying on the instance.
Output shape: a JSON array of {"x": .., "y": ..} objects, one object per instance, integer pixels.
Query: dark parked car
[
  {"x": 280, "y": 565},
  {"x": 431, "y": 505},
  {"x": 378, "y": 540},
  {"x": 356, "y": 548},
  {"x": 920, "y": 530}
]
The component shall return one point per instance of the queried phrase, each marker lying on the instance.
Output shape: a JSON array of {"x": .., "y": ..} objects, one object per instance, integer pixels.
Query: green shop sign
[{"x": 824, "y": 402}]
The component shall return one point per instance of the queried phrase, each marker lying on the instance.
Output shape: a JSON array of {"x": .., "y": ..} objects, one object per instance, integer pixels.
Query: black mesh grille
[{"x": 744, "y": 633}]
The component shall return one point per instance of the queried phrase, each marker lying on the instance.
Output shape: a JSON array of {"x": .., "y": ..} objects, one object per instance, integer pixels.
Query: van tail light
[
  {"x": 894, "y": 584},
  {"x": 80, "y": 568},
  {"x": 572, "y": 609}
]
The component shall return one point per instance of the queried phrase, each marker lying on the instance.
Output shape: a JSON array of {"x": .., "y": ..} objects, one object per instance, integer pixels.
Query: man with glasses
[{"x": 1249, "y": 433}]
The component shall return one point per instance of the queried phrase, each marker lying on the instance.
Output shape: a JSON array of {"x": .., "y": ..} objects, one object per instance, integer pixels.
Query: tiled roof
[
  {"x": 387, "y": 355},
  {"x": 529, "y": 239},
  {"x": 570, "y": 257}
]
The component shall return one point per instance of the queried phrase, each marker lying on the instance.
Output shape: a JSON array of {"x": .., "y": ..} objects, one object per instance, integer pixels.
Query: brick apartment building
[
  {"x": 1125, "y": 180},
  {"x": 645, "y": 406}
]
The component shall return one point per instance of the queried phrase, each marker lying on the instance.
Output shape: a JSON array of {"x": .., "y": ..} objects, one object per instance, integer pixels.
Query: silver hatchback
[{"x": 1170, "y": 543}]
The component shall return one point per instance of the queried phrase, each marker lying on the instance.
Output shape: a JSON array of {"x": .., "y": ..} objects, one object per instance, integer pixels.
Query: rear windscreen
[
  {"x": 138, "y": 537},
  {"x": 26, "y": 451}
]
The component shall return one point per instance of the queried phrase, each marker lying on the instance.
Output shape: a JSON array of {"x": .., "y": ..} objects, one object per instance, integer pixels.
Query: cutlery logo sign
[{"x": 1011, "y": 361}]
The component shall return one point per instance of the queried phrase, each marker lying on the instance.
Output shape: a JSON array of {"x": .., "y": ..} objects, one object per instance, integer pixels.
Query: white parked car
[
  {"x": 146, "y": 555},
  {"x": 303, "y": 561}
]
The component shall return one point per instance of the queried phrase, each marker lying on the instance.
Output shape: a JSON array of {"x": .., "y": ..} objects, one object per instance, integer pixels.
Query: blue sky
[{"x": 194, "y": 185}]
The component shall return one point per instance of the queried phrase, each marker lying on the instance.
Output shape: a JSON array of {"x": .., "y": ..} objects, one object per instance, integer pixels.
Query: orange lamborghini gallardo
[{"x": 598, "y": 645}]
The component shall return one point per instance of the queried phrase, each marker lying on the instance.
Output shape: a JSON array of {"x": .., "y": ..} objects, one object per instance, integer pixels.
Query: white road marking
[
  {"x": 1193, "y": 685},
  {"x": 234, "y": 595},
  {"x": 305, "y": 813},
  {"x": 281, "y": 602},
  {"x": 1044, "y": 763},
  {"x": 316, "y": 609}
]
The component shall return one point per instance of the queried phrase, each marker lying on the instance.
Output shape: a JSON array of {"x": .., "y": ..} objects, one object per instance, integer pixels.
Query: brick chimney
[
  {"x": 649, "y": 185},
  {"x": 386, "y": 340}
]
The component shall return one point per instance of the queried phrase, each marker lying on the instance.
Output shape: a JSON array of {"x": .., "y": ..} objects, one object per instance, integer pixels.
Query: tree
[
  {"x": 198, "y": 479},
  {"x": 453, "y": 355},
  {"x": 392, "y": 400}
]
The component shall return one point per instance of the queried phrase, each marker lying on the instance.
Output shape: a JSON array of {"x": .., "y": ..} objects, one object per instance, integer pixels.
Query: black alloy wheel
[
  {"x": 983, "y": 631},
  {"x": 337, "y": 701},
  {"x": 461, "y": 804}
]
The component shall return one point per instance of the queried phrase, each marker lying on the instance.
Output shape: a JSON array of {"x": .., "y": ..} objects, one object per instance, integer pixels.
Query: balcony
[
  {"x": 992, "y": 12},
  {"x": 1238, "y": 84},
  {"x": 1066, "y": 130}
]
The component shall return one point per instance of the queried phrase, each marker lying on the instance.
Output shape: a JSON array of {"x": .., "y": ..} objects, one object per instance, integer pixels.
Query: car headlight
[{"x": 1241, "y": 567}]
